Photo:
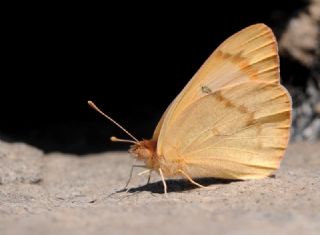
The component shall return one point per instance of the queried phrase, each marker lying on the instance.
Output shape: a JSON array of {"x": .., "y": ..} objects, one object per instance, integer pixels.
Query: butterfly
[{"x": 231, "y": 121}]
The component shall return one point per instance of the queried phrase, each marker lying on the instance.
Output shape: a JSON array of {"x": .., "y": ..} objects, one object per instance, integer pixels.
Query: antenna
[
  {"x": 136, "y": 141},
  {"x": 115, "y": 139}
]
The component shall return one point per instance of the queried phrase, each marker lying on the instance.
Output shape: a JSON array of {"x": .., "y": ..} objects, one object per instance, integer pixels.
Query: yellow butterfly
[{"x": 231, "y": 121}]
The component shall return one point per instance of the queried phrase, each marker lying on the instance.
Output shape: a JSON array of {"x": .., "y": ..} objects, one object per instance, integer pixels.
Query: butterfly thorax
[{"x": 146, "y": 151}]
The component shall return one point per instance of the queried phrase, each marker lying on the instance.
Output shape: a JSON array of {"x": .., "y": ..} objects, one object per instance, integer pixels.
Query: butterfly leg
[
  {"x": 144, "y": 172},
  {"x": 130, "y": 176},
  {"x": 191, "y": 180},
  {"x": 164, "y": 182},
  {"x": 149, "y": 177}
]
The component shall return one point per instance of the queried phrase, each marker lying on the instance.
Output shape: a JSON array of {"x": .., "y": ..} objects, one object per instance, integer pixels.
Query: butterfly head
[{"x": 144, "y": 150}]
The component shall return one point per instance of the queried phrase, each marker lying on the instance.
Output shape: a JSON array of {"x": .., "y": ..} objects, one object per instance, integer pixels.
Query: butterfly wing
[
  {"x": 250, "y": 54},
  {"x": 238, "y": 132}
]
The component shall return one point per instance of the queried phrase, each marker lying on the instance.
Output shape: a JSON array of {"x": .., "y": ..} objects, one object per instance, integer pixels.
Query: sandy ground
[{"x": 64, "y": 194}]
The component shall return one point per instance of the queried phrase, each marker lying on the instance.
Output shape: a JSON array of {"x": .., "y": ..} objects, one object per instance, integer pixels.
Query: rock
[
  {"x": 301, "y": 36},
  {"x": 299, "y": 47},
  {"x": 20, "y": 163}
]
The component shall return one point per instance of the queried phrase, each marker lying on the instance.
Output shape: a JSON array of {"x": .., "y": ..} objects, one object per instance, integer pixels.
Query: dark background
[{"x": 132, "y": 60}]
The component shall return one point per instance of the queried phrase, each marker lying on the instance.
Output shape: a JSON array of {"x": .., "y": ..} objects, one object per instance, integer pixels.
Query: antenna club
[
  {"x": 90, "y": 103},
  {"x": 115, "y": 139},
  {"x": 113, "y": 121}
]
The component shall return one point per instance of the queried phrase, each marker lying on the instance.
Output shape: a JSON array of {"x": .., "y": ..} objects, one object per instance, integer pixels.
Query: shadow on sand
[{"x": 176, "y": 185}]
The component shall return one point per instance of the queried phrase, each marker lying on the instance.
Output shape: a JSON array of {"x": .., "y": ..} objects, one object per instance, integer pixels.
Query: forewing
[{"x": 251, "y": 54}]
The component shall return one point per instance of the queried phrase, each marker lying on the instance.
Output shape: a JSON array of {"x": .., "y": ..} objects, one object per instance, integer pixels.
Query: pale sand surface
[{"x": 65, "y": 194}]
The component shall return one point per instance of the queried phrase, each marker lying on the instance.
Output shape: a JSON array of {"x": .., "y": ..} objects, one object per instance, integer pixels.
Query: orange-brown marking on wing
[
  {"x": 230, "y": 104},
  {"x": 241, "y": 62}
]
